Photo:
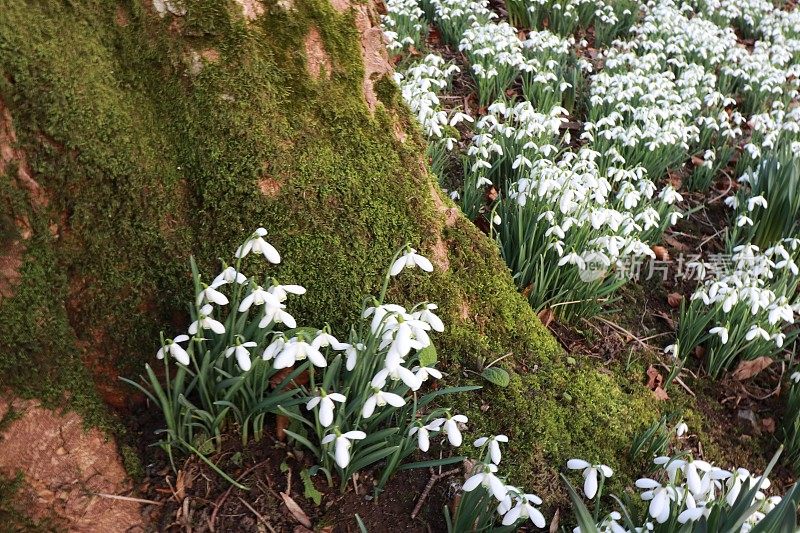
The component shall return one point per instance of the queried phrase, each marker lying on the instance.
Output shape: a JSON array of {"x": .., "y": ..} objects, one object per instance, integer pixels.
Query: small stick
[
  {"x": 227, "y": 493},
  {"x": 128, "y": 498},
  {"x": 258, "y": 515},
  {"x": 431, "y": 482}
]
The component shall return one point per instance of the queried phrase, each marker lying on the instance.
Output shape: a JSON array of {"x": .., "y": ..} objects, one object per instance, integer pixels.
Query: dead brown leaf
[
  {"x": 546, "y": 315},
  {"x": 491, "y": 194},
  {"x": 661, "y": 253},
  {"x": 281, "y": 424},
  {"x": 697, "y": 161},
  {"x": 674, "y": 299},
  {"x": 297, "y": 513},
  {"x": 675, "y": 243},
  {"x": 748, "y": 369},
  {"x": 555, "y": 522},
  {"x": 769, "y": 424},
  {"x": 654, "y": 378},
  {"x": 660, "y": 394}
]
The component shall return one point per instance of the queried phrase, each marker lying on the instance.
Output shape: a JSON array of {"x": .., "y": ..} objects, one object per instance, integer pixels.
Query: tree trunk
[{"x": 134, "y": 137}]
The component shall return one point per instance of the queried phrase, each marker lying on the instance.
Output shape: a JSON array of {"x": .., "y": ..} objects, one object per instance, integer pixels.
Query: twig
[
  {"x": 258, "y": 515},
  {"x": 127, "y": 498},
  {"x": 227, "y": 493},
  {"x": 730, "y": 186},
  {"x": 623, "y": 330},
  {"x": 679, "y": 381},
  {"x": 431, "y": 482}
]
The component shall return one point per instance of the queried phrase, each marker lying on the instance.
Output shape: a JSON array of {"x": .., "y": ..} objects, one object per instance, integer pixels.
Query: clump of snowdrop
[
  {"x": 404, "y": 25},
  {"x": 487, "y": 498},
  {"x": 743, "y": 311},
  {"x": 420, "y": 86},
  {"x": 767, "y": 207},
  {"x": 688, "y": 494},
  {"x": 573, "y": 233},
  {"x": 218, "y": 364},
  {"x": 495, "y": 55},
  {"x": 454, "y": 17},
  {"x": 365, "y": 404},
  {"x": 551, "y": 73}
]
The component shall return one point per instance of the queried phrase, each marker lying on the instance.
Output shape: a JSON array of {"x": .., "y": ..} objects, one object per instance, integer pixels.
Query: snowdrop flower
[
  {"x": 229, "y": 275},
  {"x": 743, "y": 220},
  {"x": 589, "y": 474},
  {"x": 659, "y": 497},
  {"x": 172, "y": 347},
  {"x": 423, "y": 434},
  {"x": 459, "y": 117},
  {"x": 351, "y": 351},
  {"x": 326, "y": 405},
  {"x": 682, "y": 429},
  {"x": 794, "y": 377},
  {"x": 422, "y": 372},
  {"x": 410, "y": 258},
  {"x": 756, "y": 201},
  {"x": 298, "y": 350},
  {"x": 242, "y": 354},
  {"x": 281, "y": 292},
  {"x": 450, "y": 428},
  {"x": 494, "y": 446},
  {"x": 276, "y": 314},
  {"x": 485, "y": 476},
  {"x": 325, "y": 339},
  {"x": 257, "y": 296},
  {"x": 394, "y": 370},
  {"x": 756, "y": 331},
  {"x": 343, "y": 444},
  {"x": 275, "y": 347},
  {"x": 523, "y": 508},
  {"x": 380, "y": 398},
  {"x": 722, "y": 332},
  {"x": 211, "y": 295},
  {"x": 204, "y": 321},
  {"x": 258, "y": 245},
  {"x": 427, "y": 315}
]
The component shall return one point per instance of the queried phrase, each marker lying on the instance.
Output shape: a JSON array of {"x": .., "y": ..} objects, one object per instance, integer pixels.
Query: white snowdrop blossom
[
  {"x": 494, "y": 446},
  {"x": 174, "y": 349},
  {"x": 380, "y": 398},
  {"x": 326, "y": 406},
  {"x": 486, "y": 476},
  {"x": 206, "y": 321},
  {"x": 295, "y": 350},
  {"x": 343, "y": 444},
  {"x": 242, "y": 354},
  {"x": 589, "y": 474},
  {"x": 258, "y": 245},
  {"x": 409, "y": 259}
]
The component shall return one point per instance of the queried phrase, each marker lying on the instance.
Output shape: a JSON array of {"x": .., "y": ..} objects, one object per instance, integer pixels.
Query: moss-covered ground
[{"x": 147, "y": 158}]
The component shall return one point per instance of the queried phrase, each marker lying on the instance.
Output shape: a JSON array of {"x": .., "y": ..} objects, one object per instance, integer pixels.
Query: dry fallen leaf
[
  {"x": 661, "y": 253},
  {"x": 675, "y": 243},
  {"x": 748, "y": 369},
  {"x": 674, "y": 299},
  {"x": 654, "y": 378},
  {"x": 295, "y": 510},
  {"x": 491, "y": 194},
  {"x": 555, "y": 522},
  {"x": 697, "y": 161},
  {"x": 660, "y": 394},
  {"x": 546, "y": 315},
  {"x": 769, "y": 424},
  {"x": 281, "y": 423}
]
